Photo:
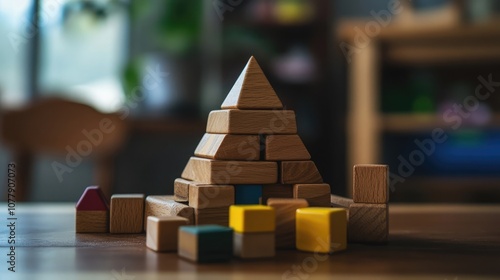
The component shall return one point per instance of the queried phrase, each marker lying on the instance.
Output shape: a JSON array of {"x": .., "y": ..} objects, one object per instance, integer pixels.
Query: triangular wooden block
[
  {"x": 252, "y": 90},
  {"x": 92, "y": 199}
]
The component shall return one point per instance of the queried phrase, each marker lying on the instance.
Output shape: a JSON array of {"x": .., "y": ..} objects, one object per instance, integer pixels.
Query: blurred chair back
[{"x": 60, "y": 127}]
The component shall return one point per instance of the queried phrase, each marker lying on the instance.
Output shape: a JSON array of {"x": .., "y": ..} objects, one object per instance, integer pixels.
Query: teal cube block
[
  {"x": 206, "y": 243},
  {"x": 247, "y": 194}
]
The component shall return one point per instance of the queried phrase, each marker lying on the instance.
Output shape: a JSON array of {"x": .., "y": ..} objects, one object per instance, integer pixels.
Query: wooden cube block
[
  {"x": 300, "y": 172},
  {"x": 206, "y": 243},
  {"x": 370, "y": 183},
  {"x": 315, "y": 194},
  {"x": 368, "y": 223},
  {"x": 209, "y": 171},
  {"x": 181, "y": 190},
  {"x": 247, "y": 194},
  {"x": 127, "y": 213},
  {"x": 252, "y": 218},
  {"x": 203, "y": 196},
  {"x": 229, "y": 147},
  {"x": 164, "y": 205},
  {"x": 212, "y": 216},
  {"x": 285, "y": 147},
  {"x": 276, "y": 191},
  {"x": 254, "y": 245},
  {"x": 163, "y": 232},
  {"x": 321, "y": 229},
  {"x": 92, "y": 212},
  {"x": 285, "y": 220},
  {"x": 252, "y": 122}
]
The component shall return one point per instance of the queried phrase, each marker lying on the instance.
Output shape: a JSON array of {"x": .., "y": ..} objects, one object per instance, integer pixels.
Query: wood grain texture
[
  {"x": 92, "y": 221},
  {"x": 181, "y": 190},
  {"x": 164, "y": 205},
  {"x": 126, "y": 213},
  {"x": 276, "y": 191},
  {"x": 423, "y": 240},
  {"x": 299, "y": 172},
  {"x": 162, "y": 235},
  {"x": 212, "y": 216},
  {"x": 208, "y": 171},
  {"x": 370, "y": 183},
  {"x": 285, "y": 220},
  {"x": 254, "y": 245},
  {"x": 285, "y": 147},
  {"x": 203, "y": 196},
  {"x": 340, "y": 201},
  {"x": 368, "y": 223},
  {"x": 229, "y": 147},
  {"x": 252, "y": 122},
  {"x": 252, "y": 90},
  {"x": 315, "y": 194}
]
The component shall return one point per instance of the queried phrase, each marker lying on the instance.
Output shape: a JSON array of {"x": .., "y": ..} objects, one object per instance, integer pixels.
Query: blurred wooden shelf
[
  {"x": 441, "y": 54},
  {"x": 447, "y": 189},
  {"x": 408, "y": 122},
  {"x": 412, "y": 46},
  {"x": 488, "y": 31}
]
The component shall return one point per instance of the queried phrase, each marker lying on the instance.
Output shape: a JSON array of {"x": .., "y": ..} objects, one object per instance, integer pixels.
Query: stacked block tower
[
  {"x": 251, "y": 152},
  {"x": 250, "y": 155}
]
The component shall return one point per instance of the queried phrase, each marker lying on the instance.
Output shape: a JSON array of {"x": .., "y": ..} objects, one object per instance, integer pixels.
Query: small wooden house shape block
[
  {"x": 92, "y": 211},
  {"x": 250, "y": 147}
]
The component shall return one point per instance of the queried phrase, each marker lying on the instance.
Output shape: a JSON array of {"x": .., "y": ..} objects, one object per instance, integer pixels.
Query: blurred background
[{"x": 370, "y": 81}]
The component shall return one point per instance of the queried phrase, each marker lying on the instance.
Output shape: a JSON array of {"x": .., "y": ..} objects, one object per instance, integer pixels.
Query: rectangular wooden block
[
  {"x": 203, "y": 196},
  {"x": 229, "y": 147},
  {"x": 206, "y": 243},
  {"x": 92, "y": 221},
  {"x": 212, "y": 216},
  {"x": 181, "y": 190},
  {"x": 126, "y": 213},
  {"x": 252, "y": 122},
  {"x": 315, "y": 194},
  {"x": 209, "y": 171},
  {"x": 285, "y": 147},
  {"x": 162, "y": 234},
  {"x": 321, "y": 229},
  {"x": 370, "y": 183},
  {"x": 368, "y": 223},
  {"x": 285, "y": 220},
  {"x": 247, "y": 194},
  {"x": 164, "y": 205},
  {"x": 339, "y": 201},
  {"x": 254, "y": 245},
  {"x": 300, "y": 172},
  {"x": 276, "y": 191}
]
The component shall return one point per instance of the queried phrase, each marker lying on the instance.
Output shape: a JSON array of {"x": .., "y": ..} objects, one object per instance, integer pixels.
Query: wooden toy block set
[{"x": 249, "y": 189}]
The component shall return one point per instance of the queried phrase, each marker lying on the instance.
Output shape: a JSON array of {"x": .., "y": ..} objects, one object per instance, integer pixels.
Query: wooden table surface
[{"x": 426, "y": 242}]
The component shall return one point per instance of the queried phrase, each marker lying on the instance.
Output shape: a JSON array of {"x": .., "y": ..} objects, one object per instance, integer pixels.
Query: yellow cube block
[
  {"x": 321, "y": 229},
  {"x": 252, "y": 218}
]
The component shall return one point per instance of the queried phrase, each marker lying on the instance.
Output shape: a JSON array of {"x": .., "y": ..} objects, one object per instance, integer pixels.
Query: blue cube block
[
  {"x": 247, "y": 194},
  {"x": 206, "y": 243}
]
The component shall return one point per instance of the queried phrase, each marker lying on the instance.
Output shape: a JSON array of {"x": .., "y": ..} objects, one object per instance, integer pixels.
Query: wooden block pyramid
[{"x": 250, "y": 148}]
